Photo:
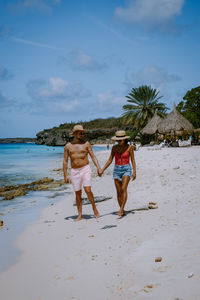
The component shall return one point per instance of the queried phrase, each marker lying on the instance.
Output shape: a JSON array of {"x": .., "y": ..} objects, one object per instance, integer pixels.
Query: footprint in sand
[
  {"x": 162, "y": 269},
  {"x": 148, "y": 288},
  {"x": 70, "y": 278}
]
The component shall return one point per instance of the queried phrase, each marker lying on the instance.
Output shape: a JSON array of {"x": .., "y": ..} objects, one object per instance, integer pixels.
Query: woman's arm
[
  {"x": 109, "y": 161},
  {"x": 131, "y": 151}
]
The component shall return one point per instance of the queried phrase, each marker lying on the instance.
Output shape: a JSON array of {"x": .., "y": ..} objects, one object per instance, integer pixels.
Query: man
[{"x": 78, "y": 151}]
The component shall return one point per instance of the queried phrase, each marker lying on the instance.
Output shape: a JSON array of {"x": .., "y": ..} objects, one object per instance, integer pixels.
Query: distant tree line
[{"x": 142, "y": 103}]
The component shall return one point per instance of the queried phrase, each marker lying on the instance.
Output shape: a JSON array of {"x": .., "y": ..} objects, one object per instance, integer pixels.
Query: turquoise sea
[{"x": 23, "y": 163}]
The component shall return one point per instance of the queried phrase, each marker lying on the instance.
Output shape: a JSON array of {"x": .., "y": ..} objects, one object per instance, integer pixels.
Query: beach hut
[
  {"x": 152, "y": 125},
  {"x": 197, "y": 130},
  {"x": 175, "y": 124}
]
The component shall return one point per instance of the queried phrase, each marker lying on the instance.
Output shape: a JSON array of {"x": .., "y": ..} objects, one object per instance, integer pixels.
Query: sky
[{"x": 66, "y": 60}]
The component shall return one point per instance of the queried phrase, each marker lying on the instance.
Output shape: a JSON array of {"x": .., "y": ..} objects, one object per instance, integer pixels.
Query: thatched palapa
[
  {"x": 152, "y": 125},
  {"x": 197, "y": 130},
  {"x": 173, "y": 123}
]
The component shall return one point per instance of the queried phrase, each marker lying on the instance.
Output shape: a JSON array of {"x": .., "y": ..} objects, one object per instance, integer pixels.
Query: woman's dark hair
[{"x": 126, "y": 141}]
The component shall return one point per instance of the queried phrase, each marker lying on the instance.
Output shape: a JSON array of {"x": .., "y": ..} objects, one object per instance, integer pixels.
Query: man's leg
[
  {"x": 79, "y": 205},
  {"x": 118, "y": 185},
  {"x": 91, "y": 198},
  {"x": 125, "y": 182}
]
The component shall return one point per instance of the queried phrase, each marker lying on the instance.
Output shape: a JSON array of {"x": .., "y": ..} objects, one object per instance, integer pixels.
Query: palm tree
[{"x": 144, "y": 103}]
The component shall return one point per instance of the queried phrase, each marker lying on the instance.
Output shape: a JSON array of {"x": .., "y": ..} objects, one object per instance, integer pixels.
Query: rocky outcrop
[
  {"x": 59, "y": 137},
  {"x": 12, "y": 191},
  {"x": 17, "y": 140}
]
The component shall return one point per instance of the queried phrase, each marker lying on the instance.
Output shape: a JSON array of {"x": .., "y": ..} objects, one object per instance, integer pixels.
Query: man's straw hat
[
  {"x": 120, "y": 135},
  {"x": 78, "y": 128}
]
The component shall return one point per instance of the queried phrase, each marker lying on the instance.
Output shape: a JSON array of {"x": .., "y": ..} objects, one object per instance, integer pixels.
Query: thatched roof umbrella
[
  {"x": 197, "y": 130},
  {"x": 152, "y": 125},
  {"x": 174, "y": 123}
]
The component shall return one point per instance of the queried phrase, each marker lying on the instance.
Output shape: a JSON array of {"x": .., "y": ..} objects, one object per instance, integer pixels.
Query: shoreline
[
  {"x": 33, "y": 203},
  {"x": 116, "y": 255}
]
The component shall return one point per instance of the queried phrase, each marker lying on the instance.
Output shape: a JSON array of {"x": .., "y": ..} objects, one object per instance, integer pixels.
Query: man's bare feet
[{"x": 78, "y": 218}]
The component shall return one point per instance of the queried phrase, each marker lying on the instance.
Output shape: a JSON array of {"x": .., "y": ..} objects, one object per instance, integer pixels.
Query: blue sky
[{"x": 64, "y": 60}]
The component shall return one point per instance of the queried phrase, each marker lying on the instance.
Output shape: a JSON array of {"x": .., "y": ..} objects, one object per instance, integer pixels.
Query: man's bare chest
[{"x": 78, "y": 149}]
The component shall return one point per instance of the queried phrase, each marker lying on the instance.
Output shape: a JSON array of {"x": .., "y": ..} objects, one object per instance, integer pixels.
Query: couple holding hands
[{"x": 77, "y": 151}]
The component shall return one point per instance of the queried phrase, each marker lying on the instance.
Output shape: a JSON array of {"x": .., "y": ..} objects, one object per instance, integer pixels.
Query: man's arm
[
  {"x": 93, "y": 157},
  {"x": 65, "y": 164}
]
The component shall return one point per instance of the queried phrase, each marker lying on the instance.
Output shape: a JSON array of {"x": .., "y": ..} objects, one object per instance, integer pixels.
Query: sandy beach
[{"x": 113, "y": 258}]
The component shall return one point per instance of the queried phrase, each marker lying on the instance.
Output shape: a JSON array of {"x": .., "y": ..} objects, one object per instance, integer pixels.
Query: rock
[
  {"x": 9, "y": 195},
  {"x": 152, "y": 206},
  {"x": 59, "y": 136},
  {"x": 1, "y": 223},
  {"x": 44, "y": 184},
  {"x": 149, "y": 286},
  {"x": 158, "y": 259},
  {"x": 17, "y": 140}
]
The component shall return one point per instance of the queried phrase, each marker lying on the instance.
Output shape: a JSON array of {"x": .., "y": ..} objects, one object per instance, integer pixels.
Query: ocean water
[{"x": 23, "y": 163}]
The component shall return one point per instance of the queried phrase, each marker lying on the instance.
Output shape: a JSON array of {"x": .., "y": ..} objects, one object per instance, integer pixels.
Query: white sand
[{"x": 114, "y": 259}]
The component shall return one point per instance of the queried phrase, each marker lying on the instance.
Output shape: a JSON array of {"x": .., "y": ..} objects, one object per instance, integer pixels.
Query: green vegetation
[
  {"x": 96, "y": 123},
  {"x": 144, "y": 103},
  {"x": 190, "y": 106}
]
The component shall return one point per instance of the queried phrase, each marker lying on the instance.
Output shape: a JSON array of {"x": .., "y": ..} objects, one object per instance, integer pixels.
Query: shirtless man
[{"x": 78, "y": 151}]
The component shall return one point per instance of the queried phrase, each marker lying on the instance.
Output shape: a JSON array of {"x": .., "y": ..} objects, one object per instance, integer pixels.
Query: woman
[{"x": 122, "y": 172}]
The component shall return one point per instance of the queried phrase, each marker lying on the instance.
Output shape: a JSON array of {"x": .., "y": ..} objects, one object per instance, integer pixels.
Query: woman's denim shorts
[{"x": 120, "y": 171}]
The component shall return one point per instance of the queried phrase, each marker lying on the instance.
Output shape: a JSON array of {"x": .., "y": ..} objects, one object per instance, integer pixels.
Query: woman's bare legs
[
  {"x": 124, "y": 186},
  {"x": 118, "y": 185}
]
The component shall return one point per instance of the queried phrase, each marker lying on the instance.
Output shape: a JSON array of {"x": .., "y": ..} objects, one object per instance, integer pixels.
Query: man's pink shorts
[{"x": 81, "y": 176}]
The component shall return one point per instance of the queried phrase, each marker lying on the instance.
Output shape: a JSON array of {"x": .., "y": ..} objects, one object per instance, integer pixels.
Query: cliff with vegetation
[{"x": 98, "y": 131}]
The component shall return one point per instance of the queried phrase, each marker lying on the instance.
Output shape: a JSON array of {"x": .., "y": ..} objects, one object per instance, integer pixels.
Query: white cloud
[
  {"x": 149, "y": 12},
  {"x": 79, "y": 60},
  {"x": 56, "y": 95},
  {"x": 110, "y": 98},
  {"x": 54, "y": 89},
  {"x": 151, "y": 75},
  {"x": 110, "y": 102},
  {"x": 67, "y": 107}
]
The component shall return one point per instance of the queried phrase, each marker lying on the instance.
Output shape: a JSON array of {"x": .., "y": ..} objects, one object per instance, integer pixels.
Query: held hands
[{"x": 100, "y": 172}]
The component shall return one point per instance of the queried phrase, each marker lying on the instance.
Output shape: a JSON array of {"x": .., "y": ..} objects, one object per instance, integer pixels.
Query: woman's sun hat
[
  {"x": 78, "y": 128},
  {"x": 120, "y": 135}
]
